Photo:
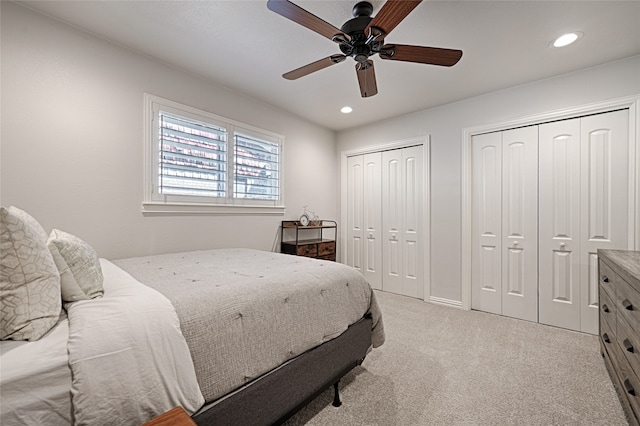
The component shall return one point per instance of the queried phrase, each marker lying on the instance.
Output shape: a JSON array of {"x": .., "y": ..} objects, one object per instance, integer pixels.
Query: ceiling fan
[{"x": 362, "y": 37}]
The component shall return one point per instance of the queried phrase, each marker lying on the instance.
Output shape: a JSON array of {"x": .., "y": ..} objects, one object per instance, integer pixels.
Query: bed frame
[{"x": 276, "y": 396}]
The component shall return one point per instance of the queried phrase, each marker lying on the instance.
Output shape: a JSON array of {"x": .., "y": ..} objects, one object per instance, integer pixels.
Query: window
[{"x": 198, "y": 162}]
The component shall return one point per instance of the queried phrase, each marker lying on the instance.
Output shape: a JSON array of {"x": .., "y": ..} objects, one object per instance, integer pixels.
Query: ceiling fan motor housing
[{"x": 357, "y": 47}]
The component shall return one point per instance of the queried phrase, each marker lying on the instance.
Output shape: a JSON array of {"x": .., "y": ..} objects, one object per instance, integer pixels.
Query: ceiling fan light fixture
[
  {"x": 566, "y": 39},
  {"x": 346, "y": 109}
]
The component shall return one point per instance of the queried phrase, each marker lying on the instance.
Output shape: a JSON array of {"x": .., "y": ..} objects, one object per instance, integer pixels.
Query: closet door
[
  {"x": 402, "y": 187},
  {"x": 412, "y": 214},
  {"x": 355, "y": 220},
  {"x": 372, "y": 242},
  {"x": 520, "y": 223},
  {"x": 584, "y": 191},
  {"x": 559, "y": 217},
  {"x": 604, "y": 200},
  {"x": 486, "y": 240}
]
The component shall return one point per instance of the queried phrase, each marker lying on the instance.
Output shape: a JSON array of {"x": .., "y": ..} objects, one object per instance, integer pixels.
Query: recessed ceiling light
[
  {"x": 346, "y": 110},
  {"x": 566, "y": 39}
]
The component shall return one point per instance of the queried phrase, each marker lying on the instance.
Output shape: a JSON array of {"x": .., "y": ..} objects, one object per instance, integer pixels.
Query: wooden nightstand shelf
[{"x": 311, "y": 240}]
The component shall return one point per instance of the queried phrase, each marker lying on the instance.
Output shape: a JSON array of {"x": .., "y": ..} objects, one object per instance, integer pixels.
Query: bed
[{"x": 234, "y": 336}]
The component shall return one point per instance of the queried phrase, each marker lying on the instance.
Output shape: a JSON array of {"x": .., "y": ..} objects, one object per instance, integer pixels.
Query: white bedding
[
  {"x": 129, "y": 362},
  {"x": 128, "y": 357},
  {"x": 35, "y": 379}
]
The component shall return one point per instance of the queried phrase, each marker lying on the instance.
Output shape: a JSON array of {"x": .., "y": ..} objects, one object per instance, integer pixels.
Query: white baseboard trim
[{"x": 445, "y": 302}]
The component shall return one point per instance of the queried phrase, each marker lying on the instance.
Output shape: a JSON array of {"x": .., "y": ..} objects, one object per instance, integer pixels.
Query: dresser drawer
[
  {"x": 607, "y": 309},
  {"x": 629, "y": 343},
  {"x": 308, "y": 250},
  {"x": 630, "y": 388},
  {"x": 628, "y": 302},
  {"x": 326, "y": 248},
  {"x": 328, "y": 257},
  {"x": 608, "y": 336},
  {"x": 607, "y": 278}
]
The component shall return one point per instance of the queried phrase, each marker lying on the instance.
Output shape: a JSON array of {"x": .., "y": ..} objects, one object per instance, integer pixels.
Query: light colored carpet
[{"x": 445, "y": 366}]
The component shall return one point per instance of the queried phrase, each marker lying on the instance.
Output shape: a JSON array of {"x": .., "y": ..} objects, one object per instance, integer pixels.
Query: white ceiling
[{"x": 244, "y": 46}]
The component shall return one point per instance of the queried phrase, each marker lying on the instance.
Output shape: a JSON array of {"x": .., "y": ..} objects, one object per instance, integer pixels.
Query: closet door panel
[
  {"x": 372, "y": 221},
  {"x": 486, "y": 255},
  {"x": 520, "y": 223},
  {"x": 392, "y": 220},
  {"x": 604, "y": 200},
  {"x": 355, "y": 221},
  {"x": 412, "y": 173},
  {"x": 559, "y": 218}
]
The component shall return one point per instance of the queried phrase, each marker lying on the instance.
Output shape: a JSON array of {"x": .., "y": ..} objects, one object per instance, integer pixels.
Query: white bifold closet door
[
  {"x": 545, "y": 199},
  {"x": 584, "y": 206},
  {"x": 384, "y": 217},
  {"x": 505, "y": 227},
  {"x": 402, "y": 200},
  {"x": 364, "y": 246}
]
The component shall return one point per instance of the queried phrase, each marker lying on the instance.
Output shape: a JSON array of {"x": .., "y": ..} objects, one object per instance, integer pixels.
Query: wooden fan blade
[
  {"x": 314, "y": 66},
  {"x": 299, "y": 15},
  {"x": 421, "y": 54},
  {"x": 366, "y": 78},
  {"x": 391, "y": 14}
]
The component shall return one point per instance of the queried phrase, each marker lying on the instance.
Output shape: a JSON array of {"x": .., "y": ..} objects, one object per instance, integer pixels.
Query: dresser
[{"x": 619, "y": 295}]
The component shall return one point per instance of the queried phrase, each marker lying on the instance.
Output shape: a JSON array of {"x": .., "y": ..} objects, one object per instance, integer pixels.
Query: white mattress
[{"x": 36, "y": 379}]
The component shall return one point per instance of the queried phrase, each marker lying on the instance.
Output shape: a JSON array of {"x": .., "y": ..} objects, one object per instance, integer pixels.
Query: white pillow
[
  {"x": 29, "y": 279},
  {"x": 79, "y": 266}
]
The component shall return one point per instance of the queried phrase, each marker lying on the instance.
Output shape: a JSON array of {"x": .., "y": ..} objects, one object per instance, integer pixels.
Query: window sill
[{"x": 183, "y": 209}]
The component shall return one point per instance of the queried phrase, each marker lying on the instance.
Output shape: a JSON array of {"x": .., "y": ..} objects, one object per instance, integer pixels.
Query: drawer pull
[
  {"x": 627, "y": 305},
  {"x": 605, "y": 279},
  {"x": 627, "y": 345},
  {"x": 629, "y": 387},
  {"x": 605, "y": 337},
  {"x": 605, "y": 308}
]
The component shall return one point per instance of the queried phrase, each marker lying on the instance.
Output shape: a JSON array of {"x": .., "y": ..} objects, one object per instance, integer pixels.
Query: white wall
[
  {"x": 445, "y": 125},
  {"x": 71, "y": 142}
]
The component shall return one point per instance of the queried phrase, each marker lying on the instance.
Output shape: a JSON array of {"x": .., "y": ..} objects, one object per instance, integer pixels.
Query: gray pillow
[
  {"x": 29, "y": 280},
  {"x": 79, "y": 266}
]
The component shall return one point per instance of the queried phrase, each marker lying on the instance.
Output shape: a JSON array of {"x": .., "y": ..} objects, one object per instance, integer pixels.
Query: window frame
[{"x": 170, "y": 204}]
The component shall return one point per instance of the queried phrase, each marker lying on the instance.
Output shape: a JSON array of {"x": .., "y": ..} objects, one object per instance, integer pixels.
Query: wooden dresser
[{"x": 619, "y": 293}]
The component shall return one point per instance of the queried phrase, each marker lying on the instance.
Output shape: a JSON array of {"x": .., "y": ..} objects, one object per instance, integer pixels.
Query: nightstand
[{"x": 174, "y": 417}]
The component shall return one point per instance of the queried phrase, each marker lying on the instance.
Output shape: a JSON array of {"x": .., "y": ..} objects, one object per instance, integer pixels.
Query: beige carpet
[{"x": 445, "y": 366}]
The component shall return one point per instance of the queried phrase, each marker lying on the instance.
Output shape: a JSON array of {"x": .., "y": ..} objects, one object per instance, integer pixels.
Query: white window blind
[
  {"x": 193, "y": 157},
  {"x": 256, "y": 168},
  {"x": 198, "y": 162}
]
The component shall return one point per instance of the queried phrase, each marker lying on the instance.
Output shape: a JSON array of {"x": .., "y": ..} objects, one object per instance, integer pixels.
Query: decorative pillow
[
  {"x": 79, "y": 266},
  {"x": 29, "y": 280},
  {"x": 71, "y": 291}
]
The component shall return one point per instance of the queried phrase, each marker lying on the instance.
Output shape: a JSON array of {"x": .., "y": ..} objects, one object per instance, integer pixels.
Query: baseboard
[{"x": 445, "y": 302}]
